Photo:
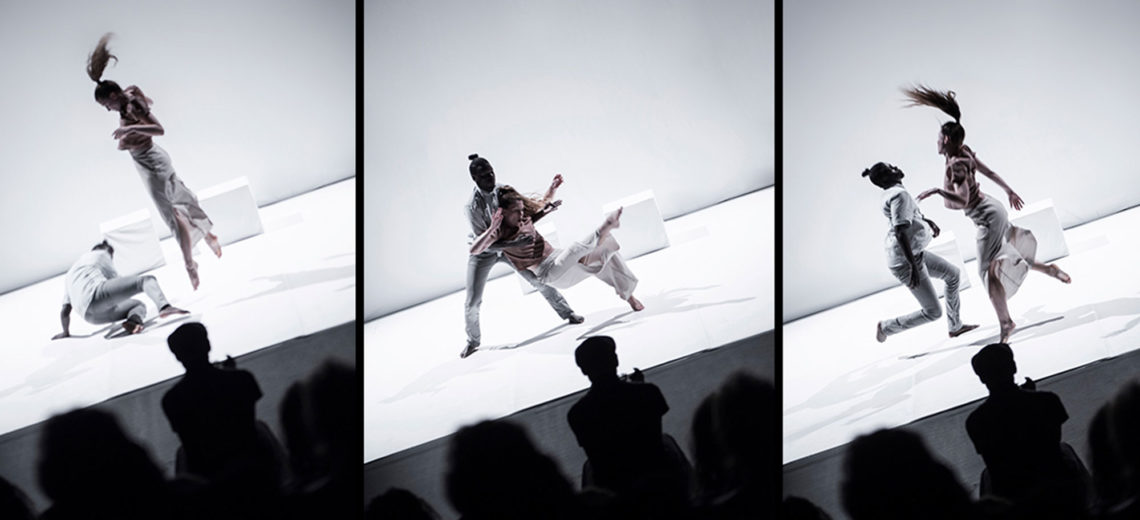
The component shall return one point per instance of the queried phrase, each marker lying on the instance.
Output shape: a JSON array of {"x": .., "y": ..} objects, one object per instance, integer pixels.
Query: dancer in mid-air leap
[
  {"x": 907, "y": 259},
  {"x": 177, "y": 205},
  {"x": 1005, "y": 252}
]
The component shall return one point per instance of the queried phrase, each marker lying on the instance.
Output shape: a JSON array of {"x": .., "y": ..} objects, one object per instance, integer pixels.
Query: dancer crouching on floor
[
  {"x": 908, "y": 261},
  {"x": 596, "y": 255},
  {"x": 101, "y": 296}
]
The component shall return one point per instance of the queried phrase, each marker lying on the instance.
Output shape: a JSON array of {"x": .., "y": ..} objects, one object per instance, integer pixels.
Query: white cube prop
[
  {"x": 950, "y": 249},
  {"x": 1041, "y": 219},
  {"x": 135, "y": 240},
  {"x": 232, "y": 209},
  {"x": 550, "y": 233},
  {"x": 642, "y": 228}
]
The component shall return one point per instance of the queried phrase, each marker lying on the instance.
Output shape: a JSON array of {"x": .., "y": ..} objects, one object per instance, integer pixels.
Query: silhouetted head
[
  {"x": 745, "y": 419},
  {"x": 494, "y": 471},
  {"x": 86, "y": 459},
  {"x": 597, "y": 357},
  {"x": 1123, "y": 423},
  {"x": 883, "y": 175},
  {"x": 994, "y": 364},
  {"x": 481, "y": 172},
  {"x": 890, "y": 474},
  {"x": 190, "y": 344},
  {"x": 104, "y": 246}
]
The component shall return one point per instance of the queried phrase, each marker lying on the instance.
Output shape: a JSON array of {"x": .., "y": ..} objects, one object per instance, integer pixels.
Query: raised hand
[
  {"x": 556, "y": 182},
  {"x": 497, "y": 217}
]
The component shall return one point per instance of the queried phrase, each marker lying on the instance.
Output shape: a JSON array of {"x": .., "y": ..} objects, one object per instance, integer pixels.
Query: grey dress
[{"x": 168, "y": 192}]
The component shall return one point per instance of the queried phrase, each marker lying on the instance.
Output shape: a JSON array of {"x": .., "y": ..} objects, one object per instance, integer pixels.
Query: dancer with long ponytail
[
  {"x": 1006, "y": 252},
  {"x": 176, "y": 204}
]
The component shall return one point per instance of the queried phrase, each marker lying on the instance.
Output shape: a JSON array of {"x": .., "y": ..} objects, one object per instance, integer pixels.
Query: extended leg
[
  {"x": 926, "y": 296},
  {"x": 478, "y": 266},
  {"x": 553, "y": 297},
  {"x": 997, "y": 298},
  {"x": 182, "y": 234},
  {"x": 939, "y": 268}
]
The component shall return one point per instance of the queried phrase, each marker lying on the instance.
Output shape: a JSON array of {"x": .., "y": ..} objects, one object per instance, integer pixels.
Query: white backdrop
[
  {"x": 1048, "y": 91},
  {"x": 619, "y": 97},
  {"x": 260, "y": 88}
]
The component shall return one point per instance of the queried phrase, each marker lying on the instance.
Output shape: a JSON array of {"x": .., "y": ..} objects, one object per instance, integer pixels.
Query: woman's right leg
[
  {"x": 182, "y": 234},
  {"x": 997, "y": 298}
]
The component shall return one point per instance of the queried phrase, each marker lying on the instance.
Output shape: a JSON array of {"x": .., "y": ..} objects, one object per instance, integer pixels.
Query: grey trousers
[
  {"x": 932, "y": 266},
  {"x": 478, "y": 266},
  {"x": 112, "y": 301}
]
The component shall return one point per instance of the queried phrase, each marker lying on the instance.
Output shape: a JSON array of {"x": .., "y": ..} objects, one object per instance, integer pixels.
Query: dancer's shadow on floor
[
  {"x": 549, "y": 333},
  {"x": 673, "y": 301},
  {"x": 994, "y": 338},
  {"x": 297, "y": 279}
]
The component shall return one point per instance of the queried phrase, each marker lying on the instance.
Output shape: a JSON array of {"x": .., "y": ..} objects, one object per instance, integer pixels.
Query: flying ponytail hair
[
  {"x": 96, "y": 64},
  {"x": 922, "y": 95}
]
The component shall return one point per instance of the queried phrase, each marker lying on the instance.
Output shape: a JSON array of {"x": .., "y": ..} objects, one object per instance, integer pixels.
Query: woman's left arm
[
  {"x": 148, "y": 125},
  {"x": 1014, "y": 200}
]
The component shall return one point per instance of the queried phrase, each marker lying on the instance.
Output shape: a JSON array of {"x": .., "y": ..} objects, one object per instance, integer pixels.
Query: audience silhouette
[
  {"x": 90, "y": 469},
  {"x": 400, "y": 504},
  {"x": 618, "y": 424},
  {"x": 212, "y": 410},
  {"x": 890, "y": 475},
  {"x": 494, "y": 472},
  {"x": 1017, "y": 431}
]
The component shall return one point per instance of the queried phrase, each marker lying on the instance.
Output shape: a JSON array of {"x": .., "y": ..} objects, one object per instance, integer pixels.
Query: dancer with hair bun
[
  {"x": 512, "y": 229},
  {"x": 176, "y": 204},
  {"x": 1005, "y": 252},
  {"x": 481, "y": 211}
]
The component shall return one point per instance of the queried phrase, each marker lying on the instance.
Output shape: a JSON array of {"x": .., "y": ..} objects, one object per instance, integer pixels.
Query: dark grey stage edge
[
  {"x": 1083, "y": 391},
  {"x": 140, "y": 411},
  {"x": 684, "y": 382}
]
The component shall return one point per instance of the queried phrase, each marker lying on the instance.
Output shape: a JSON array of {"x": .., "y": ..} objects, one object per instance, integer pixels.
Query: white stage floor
[
  {"x": 417, "y": 388},
  {"x": 840, "y": 383},
  {"x": 296, "y": 278}
]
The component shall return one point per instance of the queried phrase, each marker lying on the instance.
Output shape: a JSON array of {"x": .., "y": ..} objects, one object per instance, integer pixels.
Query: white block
[
  {"x": 550, "y": 233},
  {"x": 232, "y": 209},
  {"x": 642, "y": 228},
  {"x": 135, "y": 239},
  {"x": 1041, "y": 219},
  {"x": 949, "y": 248}
]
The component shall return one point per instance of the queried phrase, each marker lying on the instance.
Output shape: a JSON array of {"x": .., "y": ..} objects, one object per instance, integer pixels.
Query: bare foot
[
  {"x": 1057, "y": 273},
  {"x": 962, "y": 330},
  {"x": 1006, "y": 331},
  {"x": 169, "y": 309},
  {"x": 212, "y": 241},
  {"x": 635, "y": 304},
  {"x": 192, "y": 270},
  {"x": 613, "y": 221},
  {"x": 132, "y": 327},
  {"x": 880, "y": 336}
]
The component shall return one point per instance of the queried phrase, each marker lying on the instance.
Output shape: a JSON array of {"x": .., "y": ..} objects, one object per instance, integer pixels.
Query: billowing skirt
[
  {"x": 169, "y": 194},
  {"x": 1011, "y": 247}
]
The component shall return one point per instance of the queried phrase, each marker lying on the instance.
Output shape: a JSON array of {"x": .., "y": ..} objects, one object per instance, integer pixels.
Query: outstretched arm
[
  {"x": 954, "y": 200},
  {"x": 65, "y": 321},
  {"x": 1015, "y": 201},
  {"x": 546, "y": 198}
]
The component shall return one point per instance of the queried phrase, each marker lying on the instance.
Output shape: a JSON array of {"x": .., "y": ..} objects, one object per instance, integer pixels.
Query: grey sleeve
[{"x": 897, "y": 209}]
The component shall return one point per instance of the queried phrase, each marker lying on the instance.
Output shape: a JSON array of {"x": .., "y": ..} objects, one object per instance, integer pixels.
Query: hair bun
[
  {"x": 472, "y": 157},
  {"x": 866, "y": 172}
]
